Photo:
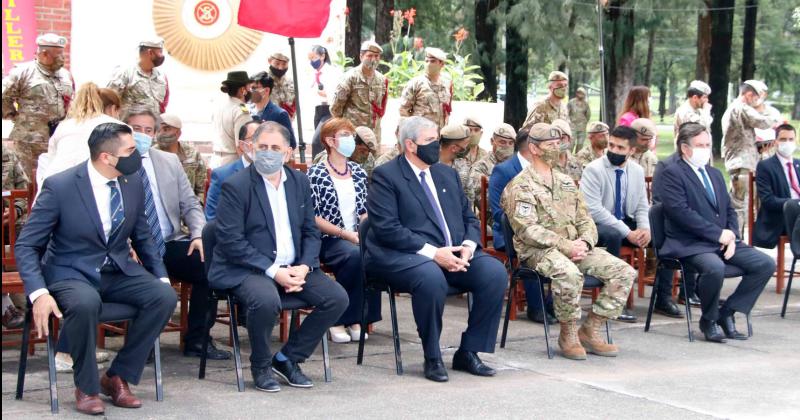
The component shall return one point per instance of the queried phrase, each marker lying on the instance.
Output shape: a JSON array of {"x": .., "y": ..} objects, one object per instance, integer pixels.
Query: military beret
[
  {"x": 701, "y": 86},
  {"x": 556, "y": 76},
  {"x": 758, "y": 85},
  {"x": 562, "y": 126},
  {"x": 152, "y": 43},
  {"x": 279, "y": 56},
  {"x": 51, "y": 40},
  {"x": 506, "y": 131},
  {"x": 454, "y": 132},
  {"x": 543, "y": 132},
  {"x": 368, "y": 137},
  {"x": 644, "y": 127},
  {"x": 371, "y": 46},
  {"x": 597, "y": 127},
  {"x": 171, "y": 120},
  {"x": 472, "y": 121},
  {"x": 436, "y": 53}
]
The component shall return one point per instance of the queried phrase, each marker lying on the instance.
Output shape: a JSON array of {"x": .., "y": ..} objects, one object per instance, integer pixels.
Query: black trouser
[
  {"x": 710, "y": 267},
  {"x": 486, "y": 278},
  {"x": 344, "y": 258},
  {"x": 81, "y": 303},
  {"x": 321, "y": 114},
  {"x": 262, "y": 297},
  {"x": 189, "y": 268}
]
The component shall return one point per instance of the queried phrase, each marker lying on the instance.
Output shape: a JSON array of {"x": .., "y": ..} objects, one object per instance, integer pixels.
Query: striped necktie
[
  {"x": 116, "y": 211},
  {"x": 150, "y": 212}
]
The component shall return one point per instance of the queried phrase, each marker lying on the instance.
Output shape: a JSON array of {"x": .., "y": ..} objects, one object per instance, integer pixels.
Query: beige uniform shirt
[
  {"x": 579, "y": 114},
  {"x": 360, "y": 99},
  {"x": 194, "y": 166},
  {"x": 544, "y": 112},
  {"x": 229, "y": 118},
  {"x": 647, "y": 160},
  {"x": 687, "y": 113},
  {"x": 426, "y": 98},
  {"x": 586, "y": 155},
  {"x": 137, "y": 89},
  {"x": 739, "y": 141}
]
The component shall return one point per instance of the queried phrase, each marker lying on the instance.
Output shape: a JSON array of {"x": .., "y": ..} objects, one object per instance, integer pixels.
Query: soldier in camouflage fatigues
[
  {"x": 555, "y": 235},
  {"x": 36, "y": 96},
  {"x": 454, "y": 141},
  {"x": 143, "y": 85},
  {"x": 646, "y": 132},
  {"x": 391, "y": 154},
  {"x": 502, "y": 149},
  {"x": 14, "y": 178},
  {"x": 579, "y": 114},
  {"x": 167, "y": 139},
  {"x": 552, "y": 107},
  {"x": 696, "y": 107},
  {"x": 362, "y": 94},
  {"x": 429, "y": 95},
  {"x": 468, "y": 158},
  {"x": 283, "y": 90},
  {"x": 598, "y": 142},
  {"x": 567, "y": 163}
]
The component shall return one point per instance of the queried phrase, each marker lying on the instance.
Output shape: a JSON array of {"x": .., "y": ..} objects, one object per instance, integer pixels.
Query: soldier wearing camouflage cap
[
  {"x": 168, "y": 139},
  {"x": 567, "y": 163},
  {"x": 474, "y": 152},
  {"x": 430, "y": 94},
  {"x": 502, "y": 148},
  {"x": 36, "y": 96},
  {"x": 643, "y": 155},
  {"x": 283, "y": 89},
  {"x": 363, "y": 91},
  {"x": 555, "y": 235},
  {"x": 696, "y": 108},
  {"x": 551, "y": 107},
  {"x": 579, "y": 114},
  {"x": 143, "y": 84},
  {"x": 598, "y": 141},
  {"x": 453, "y": 145}
]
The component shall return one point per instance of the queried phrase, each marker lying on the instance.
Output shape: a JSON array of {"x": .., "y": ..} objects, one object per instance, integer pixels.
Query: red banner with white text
[{"x": 19, "y": 33}]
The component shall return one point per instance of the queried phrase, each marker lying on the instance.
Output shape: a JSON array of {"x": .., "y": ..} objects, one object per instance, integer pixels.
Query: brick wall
[{"x": 55, "y": 16}]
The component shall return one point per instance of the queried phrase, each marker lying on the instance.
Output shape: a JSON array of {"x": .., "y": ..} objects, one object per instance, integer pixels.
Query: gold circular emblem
[{"x": 204, "y": 34}]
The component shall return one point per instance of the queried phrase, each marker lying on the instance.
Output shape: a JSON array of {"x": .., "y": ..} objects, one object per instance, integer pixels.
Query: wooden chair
[
  {"x": 484, "y": 211},
  {"x": 753, "y": 204},
  {"x": 206, "y": 185},
  {"x": 791, "y": 211},
  {"x": 302, "y": 167}
]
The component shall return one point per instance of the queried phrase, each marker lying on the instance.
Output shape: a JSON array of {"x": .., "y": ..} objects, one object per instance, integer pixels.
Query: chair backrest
[
  {"x": 302, "y": 167},
  {"x": 484, "y": 212},
  {"x": 648, "y": 185},
  {"x": 10, "y": 229},
  {"x": 363, "y": 229},
  {"x": 752, "y": 205},
  {"x": 657, "y": 226},
  {"x": 791, "y": 211},
  {"x": 209, "y": 242},
  {"x": 508, "y": 236}
]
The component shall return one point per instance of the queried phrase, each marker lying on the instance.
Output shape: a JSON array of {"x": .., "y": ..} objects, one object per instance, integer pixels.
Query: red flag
[{"x": 291, "y": 18}]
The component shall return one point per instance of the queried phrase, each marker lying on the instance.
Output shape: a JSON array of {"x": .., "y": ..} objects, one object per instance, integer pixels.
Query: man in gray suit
[
  {"x": 614, "y": 190},
  {"x": 176, "y": 222}
]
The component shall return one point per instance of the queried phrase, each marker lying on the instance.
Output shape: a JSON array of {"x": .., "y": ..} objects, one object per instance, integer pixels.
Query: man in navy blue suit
[
  {"x": 244, "y": 148},
  {"x": 777, "y": 181},
  {"x": 267, "y": 110},
  {"x": 701, "y": 229},
  {"x": 424, "y": 238},
  {"x": 73, "y": 255}
]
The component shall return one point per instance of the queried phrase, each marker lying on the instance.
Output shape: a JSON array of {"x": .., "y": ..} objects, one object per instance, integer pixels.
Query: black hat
[{"x": 237, "y": 78}]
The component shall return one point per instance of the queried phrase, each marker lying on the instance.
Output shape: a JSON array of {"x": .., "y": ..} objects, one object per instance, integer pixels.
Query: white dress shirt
[
  {"x": 163, "y": 219},
  {"x": 245, "y": 162},
  {"x": 523, "y": 163},
  {"x": 784, "y": 161},
  {"x": 285, "y": 252},
  {"x": 696, "y": 171}
]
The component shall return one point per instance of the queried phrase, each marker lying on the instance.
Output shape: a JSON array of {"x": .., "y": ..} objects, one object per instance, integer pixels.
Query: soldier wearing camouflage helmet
[
  {"x": 283, "y": 89},
  {"x": 143, "y": 84},
  {"x": 36, "y": 96},
  {"x": 598, "y": 142},
  {"x": 579, "y": 114},
  {"x": 551, "y": 107},
  {"x": 555, "y": 235},
  {"x": 567, "y": 163},
  {"x": 429, "y": 95},
  {"x": 646, "y": 131}
]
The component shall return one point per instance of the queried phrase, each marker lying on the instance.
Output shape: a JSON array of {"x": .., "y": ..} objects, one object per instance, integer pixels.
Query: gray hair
[
  {"x": 686, "y": 132},
  {"x": 410, "y": 128},
  {"x": 137, "y": 111},
  {"x": 272, "y": 127}
]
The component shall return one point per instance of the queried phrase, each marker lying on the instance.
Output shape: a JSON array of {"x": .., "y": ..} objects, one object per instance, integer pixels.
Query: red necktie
[{"x": 792, "y": 181}]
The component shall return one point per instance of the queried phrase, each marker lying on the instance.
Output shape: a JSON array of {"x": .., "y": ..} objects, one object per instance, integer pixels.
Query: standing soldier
[
  {"x": 555, "y": 235},
  {"x": 696, "y": 107},
  {"x": 598, "y": 141},
  {"x": 143, "y": 85},
  {"x": 429, "y": 95},
  {"x": 362, "y": 94},
  {"x": 743, "y": 116},
  {"x": 230, "y": 116},
  {"x": 579, "y": 114},
  {"x": 36, "y": 96},
  {"x": 646, "y": 131},
  {"x": 167, "y": 139},
  {"x": 552, "y": 107},
  {"x": 283, "y": 89}
]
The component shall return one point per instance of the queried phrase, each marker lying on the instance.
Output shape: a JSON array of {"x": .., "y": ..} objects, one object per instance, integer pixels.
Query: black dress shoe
[
  {"x": 668, "y": 308},
  {"x": 711, "y": 331},
  {"x": 435, "y": 370},
  {"x": 290, "y": 372},
  {"x": 728, "y": 325},
  {"x": 626, "y": 316},
  {"x": 468, "y": 361},
  {"x": 264, "y": 380},
  {"x": 213, "y": 353},
  {"x": 536, "y": 316}
]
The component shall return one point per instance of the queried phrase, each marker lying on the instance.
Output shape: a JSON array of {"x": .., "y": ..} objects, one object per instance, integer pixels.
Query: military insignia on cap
[
  {"x": 51, "y": 40},
  {"x": 524, "y": 209}
]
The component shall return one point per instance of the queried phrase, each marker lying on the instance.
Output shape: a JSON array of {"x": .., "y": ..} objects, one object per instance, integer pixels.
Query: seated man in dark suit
[
  {"x": 700, "y": 229},
  {"x": 268, "y": 246},
  {"x": 777, "y": 181},
  {"x": 71, "y": 263},
  {"x": 424, "y": 238},
  {"x": 244, "y": 148}
]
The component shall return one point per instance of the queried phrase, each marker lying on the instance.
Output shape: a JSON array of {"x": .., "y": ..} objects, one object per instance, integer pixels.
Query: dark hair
[
  {"x": 784, "y": 127},
  {"x": 136, "y": 111},
  {"x": 142, "y": 48},
  {"x": 243, "y": 129},
  {"x": 694, "y": 92},
  {"x": 521, "y": 140},
  {"x": 231, "y": 88},
  {"x": 444, "y": 141},
  {"x": 624, "y": 132},
  {"x": 105, "y": 138},
  {"x": 686, "y": 132},
  {"x": 320, "y": 50},
  {"x": 264, "y": 79}
]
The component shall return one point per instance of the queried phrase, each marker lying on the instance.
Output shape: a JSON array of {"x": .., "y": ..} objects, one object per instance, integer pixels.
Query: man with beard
[
  {"x": 283, "y": 89},
  {"x": 167, "y": 140},
  {"x": 429, "y": 95},
  {"x": 646, "y": 131},
  {"x": 143, "y": 85},
  {"x": 598, "y": 141}
]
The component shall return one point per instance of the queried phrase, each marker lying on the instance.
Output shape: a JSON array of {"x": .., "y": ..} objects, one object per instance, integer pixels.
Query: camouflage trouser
[
  {"x": 578, "y": 140},
  {"x": 28, "y": 153},
  {"x": 567, "y": 282},
  {"x": 738, "y": 192}
]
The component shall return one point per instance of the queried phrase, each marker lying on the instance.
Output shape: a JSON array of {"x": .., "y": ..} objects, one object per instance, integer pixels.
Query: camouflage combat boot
[
  {"x": 568, "y": 341},
  {"x": 591, "y": 338}
]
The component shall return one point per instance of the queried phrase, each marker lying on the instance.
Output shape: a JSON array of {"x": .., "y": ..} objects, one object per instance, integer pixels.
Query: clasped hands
[
  {"x": 446, "y": 258},
  {"x": 727, "y": 242},
  {"x": 292, "y": 278}
]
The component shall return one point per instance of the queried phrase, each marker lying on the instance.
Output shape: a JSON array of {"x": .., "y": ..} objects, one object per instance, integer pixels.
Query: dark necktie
[
  {"x": 116, "y": 211},
  {"x": 707, "y": 184},
  {"x": 150, "y": 212},
  {"x": 436, "y": 211},
  {"x": 792, "y": 181},
  {"x": 618, "y": 213}
]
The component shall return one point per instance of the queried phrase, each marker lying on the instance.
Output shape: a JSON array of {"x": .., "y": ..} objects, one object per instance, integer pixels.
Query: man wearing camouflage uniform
[
  {"x": 167, "y": 139},
  {"x": 555, "y": 235},
  {"x": 579, "y": 114},
  {"x": 283, "y": 89},
  {"x": 143, "y": 85},
  {"x": 551, "y": 107},
  {"x": 14, "y": 178},
  {"x": 474, "y": 152},
  {"x": 567, "y": 163},
  {"x": 646, "y": 130},
  {"x": 454, "y": 142},
  {"x": 36, "y": 96},
  {"x": 696, "y": 107},
  {"x": 429, "y": 95},
  {"x": 364, "y": 155},
  {"x": 362, "y": 94},
  {"x": 502, "y": 149},
  {"x": 743, "y": 116},
  {"x": 598, "y": 142}
]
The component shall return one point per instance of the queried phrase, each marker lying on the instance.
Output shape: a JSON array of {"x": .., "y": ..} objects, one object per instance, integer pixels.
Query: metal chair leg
[
  {"x": 51, "y": 364},
  {"x": 207, "y": 338},
  {"x": 293, "y": 321},
  {"x": 511, "y": 288},
  {"x": 237, "y": 355},
  {"x": 544, "y": 316},
  {"x": 749, "y": 325},
  {"x": 651, "y": 307},
  {"x": 157, "y": 366},
  {"x": 363, "y": 335},
  {"x": 395, "y": 334},
  {"x": 687, "y": 306},
  {"x": 23, "y": 353},
  {"x": 788, "y": 288},
  {"x": 326, "y": 360}
]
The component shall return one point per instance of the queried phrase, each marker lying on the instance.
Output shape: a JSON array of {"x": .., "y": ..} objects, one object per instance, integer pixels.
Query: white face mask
[
  {"x": 700, "y": 157},
  {"x": 786, "y": 148}
]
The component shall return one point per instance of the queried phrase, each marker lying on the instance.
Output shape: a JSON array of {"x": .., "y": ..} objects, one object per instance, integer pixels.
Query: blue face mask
[
  {"x": 143, "y": 142},
  {"x": 347, "y": 145},
  {"x": 316, "y": 64},
  {"x": 268, "y": 162}
]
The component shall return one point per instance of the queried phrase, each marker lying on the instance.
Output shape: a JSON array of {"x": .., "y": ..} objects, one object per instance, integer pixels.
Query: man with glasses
[
  {"x": 262, "y": 106},
  {"x": 244, "y": 148}
]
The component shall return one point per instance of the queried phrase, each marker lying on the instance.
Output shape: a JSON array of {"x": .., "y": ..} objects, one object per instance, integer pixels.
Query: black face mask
[
  {"x": 129, "y": 165},
  {"x": 276, "y": 72},
  {"x": 428, "y": 153},
  {"x": 248, "y": 96},
  {"x": 157, "y": 61},
  {"x": 616, "y": 159}
]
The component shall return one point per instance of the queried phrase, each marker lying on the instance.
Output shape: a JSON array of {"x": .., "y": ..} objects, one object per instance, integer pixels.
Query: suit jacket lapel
[
  {"x": 781, "y": 173},
  {"x": 690, "y": 173},
  {"x": 126, "y": 193},
  {"x": 87, "y": 196},
  {"x": 439, "y": 181},
  {"x": 291, "y": 189},
  {"x": 263, "y": 200},
  {"x": 416, "y": 188}
]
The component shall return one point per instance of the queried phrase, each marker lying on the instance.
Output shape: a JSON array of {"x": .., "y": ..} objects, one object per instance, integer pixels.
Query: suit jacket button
[{"x": 97, "y": 270}]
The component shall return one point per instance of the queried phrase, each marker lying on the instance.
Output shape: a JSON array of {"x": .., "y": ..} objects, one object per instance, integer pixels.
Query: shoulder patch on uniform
[
  {"x": 244, "y": 109},
  {"x": 568, "y": 185},
  {"x": 524, "y": 209}
]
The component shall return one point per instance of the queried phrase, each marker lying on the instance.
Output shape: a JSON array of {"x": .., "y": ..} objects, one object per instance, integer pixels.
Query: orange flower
[
  {"x": 409, "y": 15},
  {"x": 461, "y": 35}
]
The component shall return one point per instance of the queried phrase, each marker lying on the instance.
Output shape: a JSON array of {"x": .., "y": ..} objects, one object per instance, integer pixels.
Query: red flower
[{"x": 409, "y": 15}]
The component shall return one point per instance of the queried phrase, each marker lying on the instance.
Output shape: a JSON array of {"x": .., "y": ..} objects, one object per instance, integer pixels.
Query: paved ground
[{"x": 658, "y": 375}]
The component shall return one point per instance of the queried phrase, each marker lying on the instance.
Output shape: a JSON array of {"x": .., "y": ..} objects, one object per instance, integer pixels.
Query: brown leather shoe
[
  {"x": 121, "y": 396},
  {"x": 13, "y": 317},
  {"x": 88, "y": 404}
]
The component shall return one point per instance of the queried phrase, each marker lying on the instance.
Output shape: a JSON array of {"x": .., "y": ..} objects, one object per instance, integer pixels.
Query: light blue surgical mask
[
  {"x": 268, "y": 162},
  {"x": 347, "y": 145},
  {"x": 143, "y": 142}
]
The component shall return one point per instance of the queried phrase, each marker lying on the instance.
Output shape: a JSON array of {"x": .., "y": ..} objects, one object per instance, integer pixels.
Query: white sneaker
[
  {"x": 63, "y": 363},
  {"x": 339, "y": 335},
  {"x": 355, "y": 332}
]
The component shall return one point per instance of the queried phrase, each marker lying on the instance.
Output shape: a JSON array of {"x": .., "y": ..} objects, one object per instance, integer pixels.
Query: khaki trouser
[
  {"x": 28, "y": 153},
  {"x": 739, "y": 195}
]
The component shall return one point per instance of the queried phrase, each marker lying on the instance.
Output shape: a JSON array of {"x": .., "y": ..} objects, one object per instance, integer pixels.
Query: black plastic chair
[
  {"x": 110, "y": 312},
  {"x": 372, "y": 284},
  {"x": 791, "y": 211},
  {"x": 656, "y": 216},
  {"x": 288, "y": 302},
  {"x": 519, "y": 270}
]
